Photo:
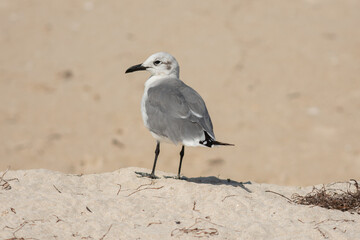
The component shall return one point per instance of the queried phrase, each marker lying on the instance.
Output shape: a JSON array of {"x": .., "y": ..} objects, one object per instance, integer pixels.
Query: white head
[{"x": 158, "y": 64}]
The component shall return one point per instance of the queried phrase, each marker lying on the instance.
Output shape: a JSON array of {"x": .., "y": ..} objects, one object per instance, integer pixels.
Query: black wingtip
[
  {"x": 210, "y": 142},
  {"x": 216, "y": 143}
]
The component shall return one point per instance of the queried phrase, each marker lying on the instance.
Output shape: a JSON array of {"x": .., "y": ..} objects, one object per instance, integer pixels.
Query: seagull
[{"x": 171, "y": 110}]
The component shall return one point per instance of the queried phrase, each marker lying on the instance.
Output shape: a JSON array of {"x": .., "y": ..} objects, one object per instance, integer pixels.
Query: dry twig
[
  {"x": 6, "y": 185},
  {"x": 279, "y": 195},
  {"x": 159, "y": 222},
  {"x": 228, "y": 197},
  {"x": 194, "y": 206},
  {"x": 57, "y": 189},
  {"x": 338, "y": 199},
  {"x": 322, "y": 233},
  {"x": 332, "y": 198},
  {"x": 138, "y": 189},
  {"x": 102, "y": 238},
  {"x": 196, "y": 231},
  {"x": 119, "y": 189}
]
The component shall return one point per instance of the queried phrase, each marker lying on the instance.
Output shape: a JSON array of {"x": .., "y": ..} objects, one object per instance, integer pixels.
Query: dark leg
[
  {"x": 181, "y": 158},
  {"x": 157, "y": 151}
]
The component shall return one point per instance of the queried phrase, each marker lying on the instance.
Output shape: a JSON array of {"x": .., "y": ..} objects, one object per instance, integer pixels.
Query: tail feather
[{"x": 210, "y": 142}]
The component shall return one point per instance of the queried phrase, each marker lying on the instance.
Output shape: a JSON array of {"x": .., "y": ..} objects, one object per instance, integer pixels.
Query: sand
[
  {"x": 43, "y": 204},
  {"x": 280, "y": 79}
]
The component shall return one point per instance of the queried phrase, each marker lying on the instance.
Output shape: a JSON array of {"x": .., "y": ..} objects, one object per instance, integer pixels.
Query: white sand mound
[{"x": 42, "y": 204}]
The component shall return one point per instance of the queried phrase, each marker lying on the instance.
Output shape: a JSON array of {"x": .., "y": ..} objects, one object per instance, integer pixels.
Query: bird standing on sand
[{"x": 171, "y": 110}]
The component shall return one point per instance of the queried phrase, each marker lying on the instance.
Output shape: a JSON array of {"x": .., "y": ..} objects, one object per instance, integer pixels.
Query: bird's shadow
[
  {"x": 205, "y": 180},
  {"x": 218, "y": 181}
]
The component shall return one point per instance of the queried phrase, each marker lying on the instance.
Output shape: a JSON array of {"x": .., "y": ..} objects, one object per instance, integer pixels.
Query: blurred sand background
[{"x": 280, "y": 79}]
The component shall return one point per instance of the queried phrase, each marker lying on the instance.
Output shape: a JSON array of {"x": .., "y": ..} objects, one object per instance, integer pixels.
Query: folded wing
[{"x": 177, "y": 111}]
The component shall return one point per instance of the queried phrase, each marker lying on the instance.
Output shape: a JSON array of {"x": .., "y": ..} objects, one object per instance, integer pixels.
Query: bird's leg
[
  {"x": 157, "y": 151},
  {"x": 182, "y": 152}
]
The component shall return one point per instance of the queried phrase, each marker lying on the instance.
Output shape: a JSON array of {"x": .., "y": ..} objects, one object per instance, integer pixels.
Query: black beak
[{"x": 135, "y": 68}]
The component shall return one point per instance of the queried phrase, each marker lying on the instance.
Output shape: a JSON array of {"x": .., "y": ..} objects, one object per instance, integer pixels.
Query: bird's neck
[
  {"x": 153, "y": 81},
  {"x": 156, "y": 79},
  {"x": 173, "y": 74}
]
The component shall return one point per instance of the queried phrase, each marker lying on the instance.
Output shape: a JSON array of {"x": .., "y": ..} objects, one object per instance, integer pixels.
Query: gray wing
[{"x": 177, "y": 111}]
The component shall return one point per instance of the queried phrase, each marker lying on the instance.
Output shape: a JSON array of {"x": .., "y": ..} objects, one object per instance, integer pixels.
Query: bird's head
[{"x": 158, "y": 64}]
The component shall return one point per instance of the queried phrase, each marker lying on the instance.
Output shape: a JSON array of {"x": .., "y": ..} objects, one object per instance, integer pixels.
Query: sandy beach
[{"x": 42, "y": 204}]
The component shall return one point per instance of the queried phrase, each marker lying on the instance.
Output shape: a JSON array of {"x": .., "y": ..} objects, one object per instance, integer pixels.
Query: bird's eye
[{"x": 157, "y": 62}]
